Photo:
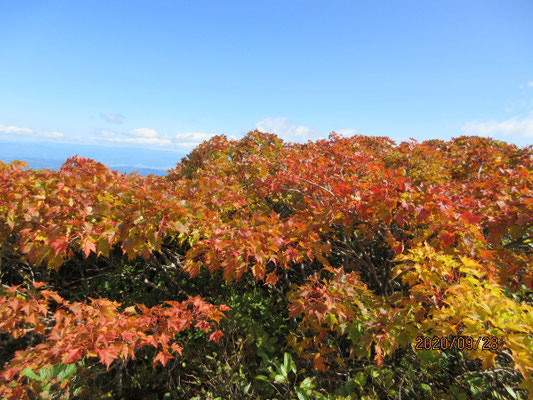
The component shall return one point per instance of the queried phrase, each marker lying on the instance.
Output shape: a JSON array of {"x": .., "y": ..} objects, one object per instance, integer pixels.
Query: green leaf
[
  {"x": 67, "y": 372},
  {"x": 53, "y": 371},
  {"x": 301, "y": 394},
  {"x": 287, "y": 361},
  {"x": 43, "y": 373},
  {"x": 307, "y": 383},
  {"x": 425, "y": 387},
  {"x": 511, "y": 391},
  {"x": 30, "y": 374},
  {"x": 349, "y": 386},
  {"x": 283, "y": 370},
  {"x": 361, "y": 379}
]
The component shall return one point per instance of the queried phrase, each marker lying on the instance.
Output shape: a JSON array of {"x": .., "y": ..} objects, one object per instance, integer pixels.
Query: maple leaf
[
  {"x": 177, "y": 348},
  {"x": 71, "y": 356},
  {"x": 296, "y": 307},
  {"x": 107, "y": 355},
  {"x": 60, "y": 245},
  {"x": 89, "y": 246},
  {"x": 215, "y": 336},
  {"x": 447, "y": 238},
  {"x": 162, "y": 357},
  {"x": 271, "y": 278},
  {"x": 130, "y": 310},
  {"x": 10, "y": 373},
  {"x": 471, "y": 218},
  {"x": 38, "y": 285},
  {"x": 48, "y": 294}
]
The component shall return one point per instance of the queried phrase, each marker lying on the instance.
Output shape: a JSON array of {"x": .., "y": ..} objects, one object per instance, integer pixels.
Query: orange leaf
[
  {"x": 318, "y": 362},
  {"x": 177, "y": 348},
  {"x": 163, "y": 358},
  {"x": 38, "y": 285},
  {"x": 107, "y": 355},
  {"x": 215, "y": 336},
  {"x": 271, "y": 278},
  {"x": 88, "y": 246}
]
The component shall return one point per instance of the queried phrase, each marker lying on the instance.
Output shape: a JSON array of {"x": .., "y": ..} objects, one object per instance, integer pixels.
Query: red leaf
[
  {"x": 59, "y": 245},
  {"x": 422, "y": 214},
  {"x": 10, "y": 373},
  {"x": 296, "y": 308},
  {"x": 447, "y": 238},
  {"x": 215, "y": 336},
  {"x": 71, "y": 356},
  {"x": 471, "y": 218},
  {"x": 398, "y": 247}
]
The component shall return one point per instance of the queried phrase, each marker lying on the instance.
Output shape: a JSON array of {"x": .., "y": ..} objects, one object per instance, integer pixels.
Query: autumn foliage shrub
[{"x": 368, "y": 244}]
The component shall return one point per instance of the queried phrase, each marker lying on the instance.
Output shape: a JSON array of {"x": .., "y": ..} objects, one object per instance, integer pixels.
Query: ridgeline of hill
[{"x": 123, "y": 159}]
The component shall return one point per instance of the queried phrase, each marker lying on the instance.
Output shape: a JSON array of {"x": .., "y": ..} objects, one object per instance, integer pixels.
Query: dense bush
[{"x": 271, "y": 270}]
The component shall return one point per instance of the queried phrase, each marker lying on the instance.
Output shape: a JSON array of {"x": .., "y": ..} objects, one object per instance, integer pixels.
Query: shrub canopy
[{"x": 369, "y": 244}]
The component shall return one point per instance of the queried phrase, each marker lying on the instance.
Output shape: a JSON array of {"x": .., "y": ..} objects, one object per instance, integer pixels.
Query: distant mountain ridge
[{"x": 123, "y": 159}]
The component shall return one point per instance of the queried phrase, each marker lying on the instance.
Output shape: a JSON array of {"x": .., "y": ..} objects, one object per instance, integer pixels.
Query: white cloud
[
  {"x": 189, "y": 144},
  {"x": 148, "y": 136},
  {"x": 136, "y": 137},
  {"x": 144, "y": 133},
  {"x": 530, "y": 84},
  {"x": 346, "y": 132},
  {"x": 112, "y": 118},
  {"x": 15, "y": 130},
  {"x": 139, "y": 136},
  {"x": 191, "y": 139},
  {"x": 53, "y": 134},
  {"x": 194, "y": 136},
  {"x": 286, "y": 130},
  {"x": 140, "y": 140},
  {"x": 516, "y": 126},
  {"x": 146, "y": 140}
]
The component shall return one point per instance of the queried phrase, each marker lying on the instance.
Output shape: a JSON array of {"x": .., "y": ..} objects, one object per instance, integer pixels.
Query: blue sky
[{"x": 158, "y": 74}]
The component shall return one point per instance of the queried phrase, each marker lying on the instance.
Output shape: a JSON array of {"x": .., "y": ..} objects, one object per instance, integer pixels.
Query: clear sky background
[{"x": 169, "y": 74}]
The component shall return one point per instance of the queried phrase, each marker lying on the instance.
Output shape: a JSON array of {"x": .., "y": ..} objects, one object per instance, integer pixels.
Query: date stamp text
[{"x": 489, "y": 343}]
